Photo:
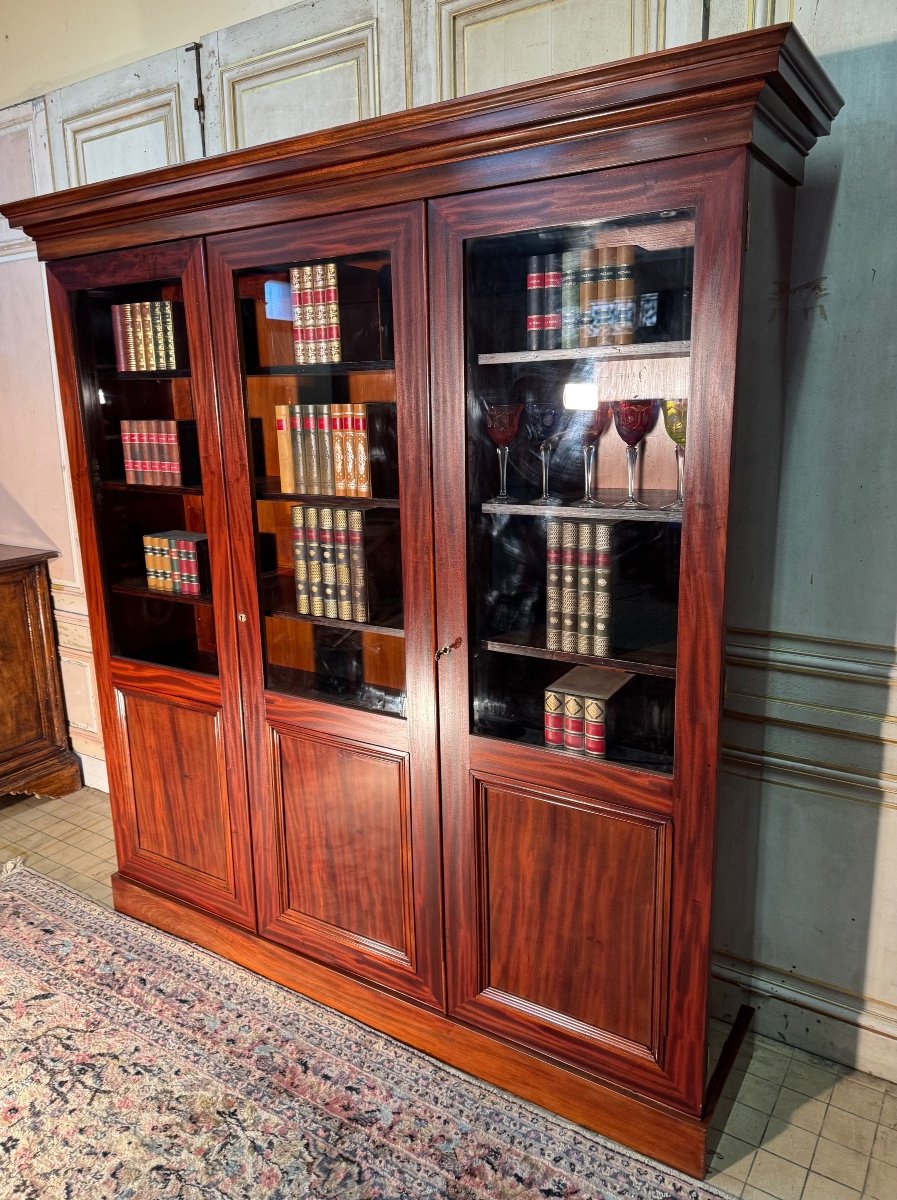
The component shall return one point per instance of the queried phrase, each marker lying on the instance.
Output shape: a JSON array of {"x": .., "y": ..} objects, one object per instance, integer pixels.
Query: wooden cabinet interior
[{"x": 364, "y": 668}]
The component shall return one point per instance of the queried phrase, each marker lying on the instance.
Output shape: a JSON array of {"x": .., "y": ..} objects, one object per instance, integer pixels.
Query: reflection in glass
[
  {"x": 633, "y": 419},
  {"x": 502, "y": 423},
  {"x": 675, "y": 414},
  {"x": 595, "y": 425}
]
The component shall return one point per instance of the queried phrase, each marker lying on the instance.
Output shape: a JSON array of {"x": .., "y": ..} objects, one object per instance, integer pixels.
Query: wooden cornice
[{"x": 761, "y": 88}]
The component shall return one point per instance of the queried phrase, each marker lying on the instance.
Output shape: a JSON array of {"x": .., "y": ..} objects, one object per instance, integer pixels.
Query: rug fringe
[{"x": 13, "y": 865}]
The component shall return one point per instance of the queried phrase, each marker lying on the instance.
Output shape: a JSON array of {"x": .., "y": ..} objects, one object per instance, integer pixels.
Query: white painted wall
[{"x": 808, "y": 829}]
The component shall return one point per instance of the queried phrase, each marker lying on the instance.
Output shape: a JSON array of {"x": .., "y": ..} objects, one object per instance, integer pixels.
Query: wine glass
[
  {"x": 633, "y": 419},
  {"x": 502, "y": 422},
  {"x": 541, "y": 421},
  {"x": 595, "y": 425},
  {"x": 675, "y": 415}
]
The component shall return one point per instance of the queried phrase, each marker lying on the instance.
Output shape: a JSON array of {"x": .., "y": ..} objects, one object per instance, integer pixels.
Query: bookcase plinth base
[{"x": 672, "y": 1137}]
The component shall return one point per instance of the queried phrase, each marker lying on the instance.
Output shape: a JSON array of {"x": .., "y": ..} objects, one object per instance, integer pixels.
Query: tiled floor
[
  {"x": 69, "y": 839},
  {"x": 792, "y": 1126}
]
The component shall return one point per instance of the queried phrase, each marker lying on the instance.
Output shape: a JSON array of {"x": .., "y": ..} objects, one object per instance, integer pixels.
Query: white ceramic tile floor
[{"x": 792, "y": 1126}]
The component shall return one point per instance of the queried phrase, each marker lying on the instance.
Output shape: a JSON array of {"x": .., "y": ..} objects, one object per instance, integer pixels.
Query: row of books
[
  {"x": 314, "y": 296},
  {"x": 329, "y": 562},
  {"x": 322, "y": 449},
  {"x": 577, "y": 594},
  {"x": 576, "y": 709},
  {"x": 153, "y": 452},
  {"x": 176, "y": 562},
  {"x": 581, "y": 298},
  {"x": 144, "y": 336}
]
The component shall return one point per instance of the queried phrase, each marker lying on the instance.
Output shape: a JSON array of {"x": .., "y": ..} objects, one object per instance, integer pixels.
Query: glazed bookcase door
[
  {"x": 584, "y": 350},
  {"x": 322, "y": 337},
  {"x": 135, "y": 365}
]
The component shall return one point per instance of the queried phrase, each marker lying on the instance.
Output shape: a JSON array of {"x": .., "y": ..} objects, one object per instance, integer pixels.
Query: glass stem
[
  {"x": 588, "y": 460},
  {"x": 545, "y": 452},
  {"x": 502, "y": 472},
  {"x": 680, "y": 468},
  {"x": 631, "y": 464}
]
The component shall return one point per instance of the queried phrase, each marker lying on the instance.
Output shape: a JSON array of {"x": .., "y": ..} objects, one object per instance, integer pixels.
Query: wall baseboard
[
  {"x": 854, "y": 1030},
  {"x": 94, "y": 772}
]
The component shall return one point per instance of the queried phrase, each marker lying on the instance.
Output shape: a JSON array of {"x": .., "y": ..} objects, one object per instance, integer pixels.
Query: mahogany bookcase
[{"x": 438, "y": 752}]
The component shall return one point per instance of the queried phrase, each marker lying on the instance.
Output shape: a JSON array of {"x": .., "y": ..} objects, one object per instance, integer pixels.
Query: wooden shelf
[
  {"x": 119, "y": 485},
  {"x": 267, "y": 487},
  {"x": 516, "y": 643},
  {"x": 112, "y": 373},
  {"x": 280, "y": 601},
  {"x": 335, "y": 623},
  {"x": 292, "y": 682},
  {"x": 341, "y": 368},
  {"x": 607, "y": 512},
  {"x": 131, "y": 587},
  {"x": 645, "y": 350}
]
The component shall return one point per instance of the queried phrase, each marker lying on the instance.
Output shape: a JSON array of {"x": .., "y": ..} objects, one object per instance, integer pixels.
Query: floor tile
[
  {"x": 774, "y": 1175},
  {"x": 839, "y": 1163},
  {"x": 795, "y": 1109},
  {"x": 748, "y": 1124},
  {"x": 788, "y": 1141},
  {"x": 818, "y": 1187},
  {"x": 753, "y": 1193},
  {"x": 758, "y": 1093},
  {"x": 861, "y": 1077},
  {"x": 812, "y": 1081},
  {"x": 885, "y": 1145},
  {"x": 734, "y": 1080},
  {"x": 733, "y": 1156},
  {"x": 768, "y": 1065},
  {"x": 888, "y": 1114},
  {"x": 847, "y": 1129},
  {"x": 726, "y": 1183},
  {"x": 881, "y": 1182},
  {"x": 855, "y": 1097}
]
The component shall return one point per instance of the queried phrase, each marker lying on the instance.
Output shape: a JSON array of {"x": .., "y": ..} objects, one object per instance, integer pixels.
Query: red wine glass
[
  {"x": 502, "y": 423},
  {"x": 633, "y": 419}
]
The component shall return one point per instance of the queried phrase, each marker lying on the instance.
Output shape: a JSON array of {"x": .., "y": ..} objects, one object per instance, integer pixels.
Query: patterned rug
[{"x": 133, "y": 1065}]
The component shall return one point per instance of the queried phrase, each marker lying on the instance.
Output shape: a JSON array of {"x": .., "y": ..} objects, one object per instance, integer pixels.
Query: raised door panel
[
  {"x": 574, "y": 914},
  {"x": 178, "y": 775},
  {"x": 21, "y": 718},
  {"x": 346, "y": 847}
]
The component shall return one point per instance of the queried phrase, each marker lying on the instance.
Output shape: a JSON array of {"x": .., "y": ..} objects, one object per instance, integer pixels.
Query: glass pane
[
  {"x": 578, "y": 342},
  {"x": 141, "y": 426},
  {"x": 319, "y": 388}
]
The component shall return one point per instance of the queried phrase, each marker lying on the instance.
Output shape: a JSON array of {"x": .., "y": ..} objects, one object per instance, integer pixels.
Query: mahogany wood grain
[
  {"x": 35, "y": 754},
  {"x": 766, "y": 73},
  {"x": 115, "y": 680},
  {"x": 653, "y": 1129},
  {"x": 398, "y": 233}
]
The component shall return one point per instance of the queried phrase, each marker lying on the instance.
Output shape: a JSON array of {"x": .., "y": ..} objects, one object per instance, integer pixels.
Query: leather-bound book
[
  {"x": 535, "y": 300},
  {"x": 339, "y": 420},
  {"x": 588, "y": 296},
  {"x": 602, "y": 600},
  {"x": 128, "y": 447},
  {"x": 624, "y": 296},
  {"x": 328, "y": 562},
  {"x": 171, "y": 355},
  {"x": 553, "y": 586},
  {"x": 300, "y": 559},
  {"x": 118, "y": 338},
  {"x": 343, "y": 564},
  {"x": 297, "y": 445},
  {"x": 325, "y": 448},
  {"x": 127, "y": 321},
  {"x": 569, "y": 299},
  {"x": 331, "y": 299},
  {"x": 554, "y": 718},
  {"x": 569, "y": 585},
  {"x": 604, "y": 308},
  {"x": 308, "y": 315},
  {"x": 360, "y": 446},
  {"x": 313, "y": 554},
  {"x": 140, "y": 359},
  {"x": 585, "y": 586},
  {"x": 310, "y": 450},
  {"x": 158, "y": 327},
  {"x": 149, "y": 345},
  {"x": 358, "y": 565},
  {"x": 299, "y": 344},
  {"x": 553, "y": 284},
  {"x": 284, "y": 448}
]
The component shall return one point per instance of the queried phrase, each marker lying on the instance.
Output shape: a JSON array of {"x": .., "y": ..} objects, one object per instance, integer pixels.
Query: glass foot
[
  {"x": 631, "y": 503},
  {"x": 676, "y": 506},
  {"x": 587, "y": 502},
  {"x": 546, "y": 500}
]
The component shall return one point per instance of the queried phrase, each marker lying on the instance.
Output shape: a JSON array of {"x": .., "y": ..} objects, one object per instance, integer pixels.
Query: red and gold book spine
[
  {"x": 569, "y": 586},
  {"x": 593, "y": 727},
  {"x": 360, "y": 446},
  {"x": 554, "y": 718},
  {"x": 127, "y": 446},
  {"x": 553, "y": 586},
  {"x": 624, "y": 296},
  {"x": 358, "y": 566},
  {"x": 189, "y": 575},
  {"x": 308, "y": 315},
  {"x": 146, "y": 325},
  {"x": 324, "y": 421},
  {"x": 127, "y": 321},
  {"x": 331, "y": 299},
  {"x": 349, "y": 451},
  {"x": 328, "y": 563},
  {"x": 602, "y": 601},
  {"x": 585, "y": 587},
  {"x": 299, "y": 344},
  {"x": 338, "y": 436},
  {"x": 552, "y": 283},
  {"x": 174, "y": 556},
  {"x": 174, "y": 453},
  {"x": 118, "y": 338},
  {"x": 300, "y": 559},
  {"x": 535, "y": 301},
  {"x": 343, "y": 564},
  {"x": 156, "y": 452},
  {"x": 604, "y": 309},
  {"x": 284, "y": 448},
  {"x": 139, "y": 450},
  {"x": 588, "y": 296},
  {"x": 322, "y": 346},
  {"x": 574, "y": 722}
]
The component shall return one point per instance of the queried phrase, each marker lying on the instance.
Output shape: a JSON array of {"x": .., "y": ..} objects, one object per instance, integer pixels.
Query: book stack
[
  {"x": 544, "y": 286},
  {"x": 152, "y": 451},
  {"x": 577, "y": 592},
  {"x": 607, "y": 296},
  {"x": 322, "y": 449},
  {"x": 576, "y": 709},
  {"x": 315, "y": 303},
  {"x": 144, "y": 336},
  {"x": 176, "y": 562},
  {"x": 329, "y": 562}
]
